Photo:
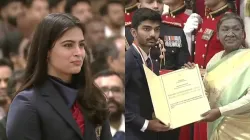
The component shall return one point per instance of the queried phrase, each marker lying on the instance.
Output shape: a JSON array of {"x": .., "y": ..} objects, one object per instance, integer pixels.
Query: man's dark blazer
[
  {"x": 138, "y": 104},
  {"x": 42, "y": 114},
  {"x": 176, "y": 56}
]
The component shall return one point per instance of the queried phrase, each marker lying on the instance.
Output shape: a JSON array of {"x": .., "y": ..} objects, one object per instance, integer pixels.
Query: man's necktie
[
  {"x": 148, "y": 63},
  {"x": 119, "y": 135}
]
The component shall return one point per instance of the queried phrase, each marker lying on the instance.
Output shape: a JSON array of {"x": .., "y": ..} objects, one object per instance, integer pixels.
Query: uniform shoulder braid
[
  {"x": 179, "y": 10},
  {"x": 219, "y": 12},
  {"x": 176, "y": 24},
  {"x": 130, "y": 9},
  {"x": 129, "y": 13}
]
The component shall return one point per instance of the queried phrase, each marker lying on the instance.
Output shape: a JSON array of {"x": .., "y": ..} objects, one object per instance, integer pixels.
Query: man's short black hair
[
  {"x": 71, "y": 3},
  {"x": 28, "y": 3},
  {"x": 6, "y": 62},
  {"x": 10, "y": 43},
  {"x": 144, "y": 14},
  {"x": 104, "y": 9}
]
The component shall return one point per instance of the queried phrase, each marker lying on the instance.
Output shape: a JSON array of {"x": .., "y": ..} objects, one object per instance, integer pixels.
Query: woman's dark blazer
[{"x": 42, "y": 114}]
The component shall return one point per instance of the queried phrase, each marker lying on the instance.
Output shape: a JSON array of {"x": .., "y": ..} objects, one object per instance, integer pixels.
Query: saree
[
  {"x": 227, "y": 80},
  {"x": 247, "y": 9}
]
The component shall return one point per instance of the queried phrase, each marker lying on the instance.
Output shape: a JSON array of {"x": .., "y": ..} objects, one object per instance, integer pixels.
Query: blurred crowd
[{"x": 103, "y": 21}]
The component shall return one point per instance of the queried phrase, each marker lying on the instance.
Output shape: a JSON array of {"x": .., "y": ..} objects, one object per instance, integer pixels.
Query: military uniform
[
  {"x": 178, "y": 16},
  {"x": 175, "y": 45},
  {"x": 128, "y": 20},
  {"x": 207, "y": 44}
]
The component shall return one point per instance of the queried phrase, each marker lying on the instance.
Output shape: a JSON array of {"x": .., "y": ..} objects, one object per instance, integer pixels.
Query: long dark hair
[{"x": 48, "y": 31}]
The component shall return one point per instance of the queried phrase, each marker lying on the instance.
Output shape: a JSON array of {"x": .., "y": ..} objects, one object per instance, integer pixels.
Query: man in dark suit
[
  {"x": 174, "y": 52},
  {"x": 139, "y": 111}
]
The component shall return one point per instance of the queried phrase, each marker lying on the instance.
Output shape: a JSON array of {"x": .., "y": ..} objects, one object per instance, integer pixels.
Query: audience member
[
  {"x": 94, "y": 34},
  {"x": 5, "y": 101},
  {"x": 10, "y": 9},
  {"x": 80, "y": 9},
  {"x": 10, "y": 48},
  {"x": 14, "y": 82},
  {"x": 113, "y": 14},
  {"x": 113, "y": 87},
  {"x": 110, "y": 54},
  {"x": 6, "y": 68}
]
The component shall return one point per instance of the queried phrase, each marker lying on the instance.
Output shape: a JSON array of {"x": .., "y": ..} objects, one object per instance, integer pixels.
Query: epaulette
[
  {"x": 129, "y": 12},
  {"x": 131, "y": 8},
  {"x": 220, "y": 11},
  {"x": 176, "y": 24}
]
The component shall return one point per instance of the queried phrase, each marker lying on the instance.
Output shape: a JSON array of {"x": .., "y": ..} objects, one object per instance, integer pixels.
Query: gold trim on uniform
[
  {"x": 178, "y": 10},
  {"x": 98, "y": 131},
  {"x": 173, "y": 23},
  {"x": 219, "y": 11},
  {"x": 130, "y": 8}
]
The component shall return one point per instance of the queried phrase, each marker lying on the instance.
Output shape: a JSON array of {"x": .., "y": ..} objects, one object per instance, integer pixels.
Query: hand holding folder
[{"x": 178, "y": 97}]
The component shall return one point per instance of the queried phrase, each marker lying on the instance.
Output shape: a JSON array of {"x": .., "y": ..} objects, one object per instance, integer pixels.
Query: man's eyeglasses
[{"x": 114, "y": 90}]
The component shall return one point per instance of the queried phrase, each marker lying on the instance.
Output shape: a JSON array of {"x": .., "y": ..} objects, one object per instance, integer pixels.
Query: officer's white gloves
[{"x": 192, "y": 23}]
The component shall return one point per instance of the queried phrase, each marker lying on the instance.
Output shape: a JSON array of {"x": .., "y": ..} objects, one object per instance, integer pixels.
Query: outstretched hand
[{"x": 211, "y": 115}]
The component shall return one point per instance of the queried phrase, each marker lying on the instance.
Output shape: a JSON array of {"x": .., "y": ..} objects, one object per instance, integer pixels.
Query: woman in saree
[{"x": 227, "y": 84}]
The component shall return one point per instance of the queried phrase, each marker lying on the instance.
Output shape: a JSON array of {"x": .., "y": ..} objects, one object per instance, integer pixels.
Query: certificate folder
[{"x": 178, "y": 97}]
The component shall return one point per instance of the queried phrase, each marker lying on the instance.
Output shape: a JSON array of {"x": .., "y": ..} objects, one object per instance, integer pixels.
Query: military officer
[
  {"x": 178, "y": 12},
  {"x": 174, "y": 50},
  {"x": 178, "y": 15},
  {"x": 206, "y": 42}
]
